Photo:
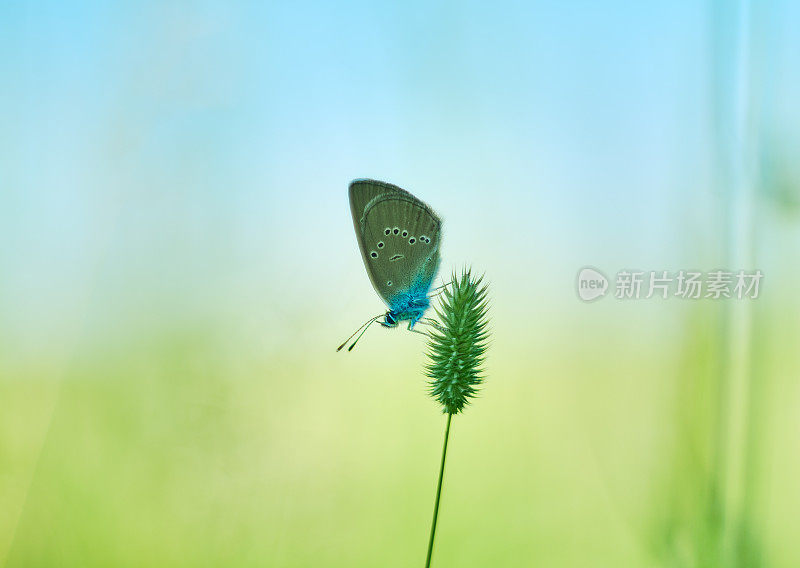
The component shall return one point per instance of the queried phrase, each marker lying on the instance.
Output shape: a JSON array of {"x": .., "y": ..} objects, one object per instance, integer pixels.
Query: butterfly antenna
[
  {"x": 366, "y": 323},
  {"x": 366, "y": 327}
]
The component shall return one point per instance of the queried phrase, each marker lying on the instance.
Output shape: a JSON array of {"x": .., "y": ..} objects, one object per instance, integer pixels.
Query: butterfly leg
[
  {"x": 411, "y": 327},
  {"x": 416, "y": 319},
  {"x": 432, "y": 322},
  {"x": 440, "y": 289}
]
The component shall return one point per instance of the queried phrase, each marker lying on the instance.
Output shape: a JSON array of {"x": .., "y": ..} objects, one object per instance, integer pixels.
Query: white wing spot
[
  {"x": 389, "y": 283},
  {"x": 424, "y": 239},
  {"x": 386, "y": 231},
  {"x": 373, "y": 254},
  {"x": 396, "y": 230},
  {"x": 397, "y": 257},
  {"x": 380, "y": 244},
  {"x": 405, "y": 233},
  {"x": 412, "y": 240}
]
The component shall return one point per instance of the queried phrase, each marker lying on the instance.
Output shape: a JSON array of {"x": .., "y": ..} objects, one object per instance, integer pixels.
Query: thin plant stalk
[{"x": 438, "y": 492}]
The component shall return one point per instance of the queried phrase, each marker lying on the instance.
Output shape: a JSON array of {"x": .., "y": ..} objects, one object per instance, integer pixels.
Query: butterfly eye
[
  {"x": 380, "y": 244},
  {"x": 395, "y": 230},
  {"x": 386, "y": 231},
  {"x": 405, "y": 234},
  {"x": 412, "y": 240},
  {"x": 373, "y": 254}
]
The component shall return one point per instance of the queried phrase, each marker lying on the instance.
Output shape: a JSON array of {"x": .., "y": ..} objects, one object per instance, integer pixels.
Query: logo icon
[{"x": 592, "y": 284}]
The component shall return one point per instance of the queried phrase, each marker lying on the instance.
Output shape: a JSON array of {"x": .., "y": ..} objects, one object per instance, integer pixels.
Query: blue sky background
[{"x": 154, "y": 136}]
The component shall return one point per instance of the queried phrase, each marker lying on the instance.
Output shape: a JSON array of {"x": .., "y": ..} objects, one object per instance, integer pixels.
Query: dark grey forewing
[
  {"x": 362, "y": 191},
  {"x": 406, "y": 255}
]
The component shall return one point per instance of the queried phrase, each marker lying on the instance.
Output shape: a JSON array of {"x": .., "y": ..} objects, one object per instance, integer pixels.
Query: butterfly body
[
  {"x": 409, "y": 306},
  {"x": 399, "y": 237}
]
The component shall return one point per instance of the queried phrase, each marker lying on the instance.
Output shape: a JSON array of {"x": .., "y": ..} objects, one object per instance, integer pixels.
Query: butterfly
[{"x": 399, "y": 237}]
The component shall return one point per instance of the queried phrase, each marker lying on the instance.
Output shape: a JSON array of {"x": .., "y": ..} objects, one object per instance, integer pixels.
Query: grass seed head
[{"x": 457, "y": 345}]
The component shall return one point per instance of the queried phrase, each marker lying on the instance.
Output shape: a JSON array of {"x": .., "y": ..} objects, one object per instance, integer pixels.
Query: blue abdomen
[{"x": 409, "y": 305}]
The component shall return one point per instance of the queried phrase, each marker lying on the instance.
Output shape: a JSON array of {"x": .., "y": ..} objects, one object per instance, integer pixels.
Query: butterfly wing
[
  {"x": 399, "y": 238},
  {"x": 362, "y": 191}
]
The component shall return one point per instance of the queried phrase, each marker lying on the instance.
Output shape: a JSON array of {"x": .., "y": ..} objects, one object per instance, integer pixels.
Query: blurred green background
[{"x": 178, "y": 264}]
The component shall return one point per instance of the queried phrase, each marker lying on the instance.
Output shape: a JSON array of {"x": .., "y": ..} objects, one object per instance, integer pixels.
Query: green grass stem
[{"x": 438, "y": 493}]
